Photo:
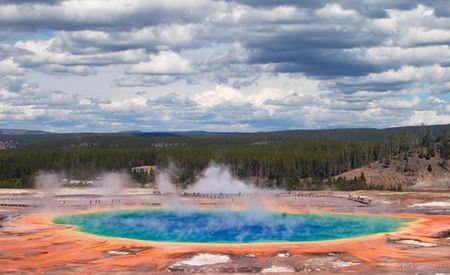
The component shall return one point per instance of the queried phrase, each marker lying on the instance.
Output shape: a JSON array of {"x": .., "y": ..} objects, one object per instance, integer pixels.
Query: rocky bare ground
[{"x": 411, "y": 171}]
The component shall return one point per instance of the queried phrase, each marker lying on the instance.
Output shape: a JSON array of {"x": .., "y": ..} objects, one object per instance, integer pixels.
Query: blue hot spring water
[{"x": 224, "y": 226}]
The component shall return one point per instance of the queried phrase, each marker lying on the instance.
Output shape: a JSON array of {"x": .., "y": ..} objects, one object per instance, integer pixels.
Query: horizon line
[{"x": 220, "y": 132}]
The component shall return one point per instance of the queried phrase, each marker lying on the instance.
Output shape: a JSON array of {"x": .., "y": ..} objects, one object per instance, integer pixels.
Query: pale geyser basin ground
[{"x": 227, "y": 226}]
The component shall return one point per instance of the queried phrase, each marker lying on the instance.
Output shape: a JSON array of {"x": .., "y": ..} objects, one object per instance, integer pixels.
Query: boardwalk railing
[{"x": 360, "y": 199}]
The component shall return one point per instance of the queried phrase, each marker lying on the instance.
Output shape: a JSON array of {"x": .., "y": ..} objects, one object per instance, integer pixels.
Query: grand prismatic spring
[
  {"x": 295, "y": 232},
  {"x": 224, "y": 226}
]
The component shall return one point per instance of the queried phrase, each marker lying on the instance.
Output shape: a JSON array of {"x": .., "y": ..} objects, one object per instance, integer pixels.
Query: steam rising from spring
[
  {"x": 112, "y": 183},
  {"x": 218, "y": 179},
  {"x": 215, "y": 179},
  {"x": 48, "y": 183},
  {"x": 163, "y": 182},
  {"x": 53, "y": 193}
]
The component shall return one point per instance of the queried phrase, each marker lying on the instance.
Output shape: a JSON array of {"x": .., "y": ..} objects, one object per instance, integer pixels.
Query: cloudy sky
[{"x": 248, "y": 65}]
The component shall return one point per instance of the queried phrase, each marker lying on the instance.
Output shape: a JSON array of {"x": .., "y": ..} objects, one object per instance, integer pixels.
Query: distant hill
[
  {"x": 139, "y": 138},
  {"x": 345, "y": 134},
  {"x": 17, "y": 132},
  {"x": 152, "y": 134},
  {"x": 361, "y": 134}
]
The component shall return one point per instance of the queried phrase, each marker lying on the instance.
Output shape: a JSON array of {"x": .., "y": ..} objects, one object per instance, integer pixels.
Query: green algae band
[{"x": 200, "y": 226}]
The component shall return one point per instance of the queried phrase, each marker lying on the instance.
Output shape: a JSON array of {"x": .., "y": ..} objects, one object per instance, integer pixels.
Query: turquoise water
[{"x": 202, "y": 226}]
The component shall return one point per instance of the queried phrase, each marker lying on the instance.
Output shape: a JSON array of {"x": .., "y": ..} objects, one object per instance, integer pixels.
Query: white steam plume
[
  {"x": 164, "y": 184},
  {"x": 218, "y": 179},
  {"x": 48, "y": 183},
  {"x": 113, "y": 183}
]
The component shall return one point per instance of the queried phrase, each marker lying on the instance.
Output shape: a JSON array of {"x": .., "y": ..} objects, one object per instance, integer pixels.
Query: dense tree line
[
  {"x": 282, "y": 163},
  {"x": 282, "y": 160}
]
